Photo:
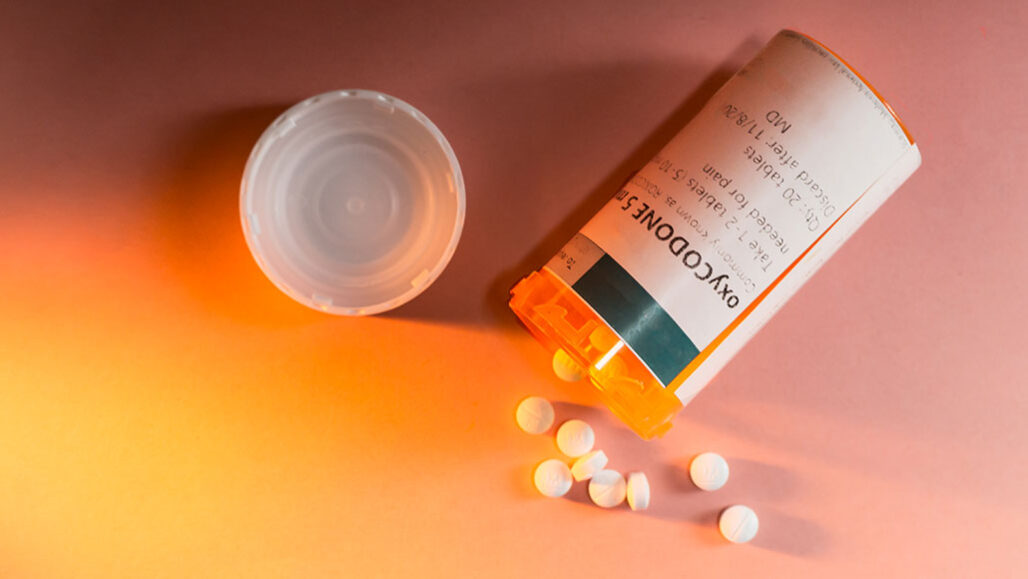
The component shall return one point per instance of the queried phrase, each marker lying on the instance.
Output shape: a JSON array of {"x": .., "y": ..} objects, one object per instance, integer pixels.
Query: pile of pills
[
  {"x": 575, "y": 438},
  {"x": 609, "y": 488}
]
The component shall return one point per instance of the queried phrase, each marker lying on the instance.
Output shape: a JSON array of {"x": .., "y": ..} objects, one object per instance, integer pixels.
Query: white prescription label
[{"x": 784, "y": 149}]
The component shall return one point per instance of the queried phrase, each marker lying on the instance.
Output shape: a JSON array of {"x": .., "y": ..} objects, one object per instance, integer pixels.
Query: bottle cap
[{"x": 352, "y": 202}]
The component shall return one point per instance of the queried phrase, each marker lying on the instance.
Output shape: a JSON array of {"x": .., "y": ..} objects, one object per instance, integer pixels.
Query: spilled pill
[
  {"x": 535, "y": 415},
  {"x": 607, "y": 488},
  {"x": 637, "y": 490},
  {"x": 738, "y": 523},
  {"x": 709, "y": 471},
  {"x": 575, "y": 438},
  {"x": 589, "y": 464},
  {"x": 552, "y": 478}
]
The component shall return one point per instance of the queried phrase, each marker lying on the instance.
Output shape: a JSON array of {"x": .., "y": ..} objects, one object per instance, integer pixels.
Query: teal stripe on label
[{"x": 637, "y": 318}]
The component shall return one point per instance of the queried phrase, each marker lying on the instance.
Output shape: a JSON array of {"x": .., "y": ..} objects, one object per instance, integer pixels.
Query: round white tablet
[
  {"x": 738, "y": 523},
  {"x": 553, "y": 478},
  {"x": 607, "y": 488},
  {"x": 566, "y": 367},
  {"x": 575, "y": 438},
  {"x": 638, "y": 491},
  {"x": 709, "y": 471},
  {"x": 535, "y": 415},
  {"x": 589, "y": 464}
]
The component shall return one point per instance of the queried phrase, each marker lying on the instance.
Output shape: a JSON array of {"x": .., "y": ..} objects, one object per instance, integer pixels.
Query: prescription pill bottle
[{"x": 702, "y": 245}]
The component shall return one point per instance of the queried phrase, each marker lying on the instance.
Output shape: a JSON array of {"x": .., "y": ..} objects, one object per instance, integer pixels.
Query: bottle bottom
[{"x": 559, "y": 318}]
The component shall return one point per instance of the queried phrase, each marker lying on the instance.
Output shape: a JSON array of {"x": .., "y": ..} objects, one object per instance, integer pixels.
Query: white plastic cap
[{"x": 352, "y": 202}]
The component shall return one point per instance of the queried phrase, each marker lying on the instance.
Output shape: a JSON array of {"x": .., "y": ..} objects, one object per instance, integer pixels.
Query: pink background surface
[{"x": 167, "y": 413}]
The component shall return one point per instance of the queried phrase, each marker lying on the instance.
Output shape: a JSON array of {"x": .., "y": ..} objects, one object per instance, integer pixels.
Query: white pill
[
  {"x": 607, "y": 488},
  {"x": 535, "y": 415},
  {"x": 589, "y": 464},
  {"x": 638, "y": 491},
  {"x": 709, "y": 471},
  {"x": 553, "y": 478},
  {"x": 566, "y": 367},
  {"x": 603, "y": 339},
  {"x": 738, "y": 523},
  {"x": 575, "y": 438}
]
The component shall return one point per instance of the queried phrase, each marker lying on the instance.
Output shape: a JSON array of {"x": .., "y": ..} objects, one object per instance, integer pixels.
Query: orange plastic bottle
[{"x": 700, "y": 247}]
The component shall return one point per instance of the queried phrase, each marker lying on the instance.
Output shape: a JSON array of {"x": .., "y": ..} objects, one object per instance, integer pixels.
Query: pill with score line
[
  {"x": 738, "y": 523},
  {"x": 535, "y": 415},
  {"x": 607, "y": 488},
  {"x": 589, "y": 464}
]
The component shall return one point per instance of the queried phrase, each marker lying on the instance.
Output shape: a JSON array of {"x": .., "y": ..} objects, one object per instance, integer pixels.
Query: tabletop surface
[{"x": 166, "y": 412}]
